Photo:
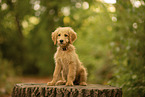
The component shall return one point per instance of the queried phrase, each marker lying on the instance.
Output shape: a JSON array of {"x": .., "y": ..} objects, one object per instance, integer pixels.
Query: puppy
[{"x": 67, "y": 63}]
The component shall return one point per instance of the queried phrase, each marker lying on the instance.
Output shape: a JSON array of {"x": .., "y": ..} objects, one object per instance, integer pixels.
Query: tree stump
[{"x": 42, "y": 90}]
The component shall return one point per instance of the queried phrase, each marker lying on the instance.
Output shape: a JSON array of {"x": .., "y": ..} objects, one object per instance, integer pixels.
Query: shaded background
[{"x": 111, "y": 40}]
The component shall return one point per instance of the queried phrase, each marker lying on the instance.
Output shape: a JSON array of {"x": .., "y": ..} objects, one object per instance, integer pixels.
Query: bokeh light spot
[{"x": 85, "y": 5}]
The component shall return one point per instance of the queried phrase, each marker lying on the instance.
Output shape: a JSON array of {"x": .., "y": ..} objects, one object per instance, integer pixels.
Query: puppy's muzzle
[{"x": 61, "y": 41}]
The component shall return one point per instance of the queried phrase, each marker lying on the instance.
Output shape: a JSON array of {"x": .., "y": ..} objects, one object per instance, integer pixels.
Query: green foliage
[
  {"x": 129, "y": 53},
  {"x": 6, "y": 71}
]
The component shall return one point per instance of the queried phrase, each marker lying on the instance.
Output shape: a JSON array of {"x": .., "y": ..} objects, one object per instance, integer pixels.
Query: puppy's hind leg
[{"x": 83, "y": 76}]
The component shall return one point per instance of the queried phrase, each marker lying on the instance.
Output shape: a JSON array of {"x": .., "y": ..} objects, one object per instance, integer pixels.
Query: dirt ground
[{"x": 32, "y": 79}]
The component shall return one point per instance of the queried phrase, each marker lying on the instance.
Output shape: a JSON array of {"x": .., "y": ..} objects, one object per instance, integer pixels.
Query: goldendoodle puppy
[{"x": 67, "y": 63}]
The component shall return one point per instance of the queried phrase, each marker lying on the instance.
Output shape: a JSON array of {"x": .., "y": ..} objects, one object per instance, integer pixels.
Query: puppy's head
[{"x": 63, "y": 36}]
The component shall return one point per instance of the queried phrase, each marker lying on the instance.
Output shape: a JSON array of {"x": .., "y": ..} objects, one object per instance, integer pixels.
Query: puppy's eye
[
  {"x": 65, "y": 35},
  {"x": 58, "y": 34}
]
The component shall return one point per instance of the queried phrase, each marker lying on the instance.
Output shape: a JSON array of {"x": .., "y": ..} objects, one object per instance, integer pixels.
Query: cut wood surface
[{"x": 42, "y": 90}]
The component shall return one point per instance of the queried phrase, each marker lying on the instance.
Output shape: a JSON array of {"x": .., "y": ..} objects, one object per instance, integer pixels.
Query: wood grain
[{"x": 42, "y": 90}]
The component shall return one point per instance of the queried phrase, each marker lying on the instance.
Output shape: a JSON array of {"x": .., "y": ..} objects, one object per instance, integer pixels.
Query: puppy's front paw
[
  {"x": 50, "y": 83},
  {"x": 83, "y": 83},
  {"x": 69, "y": 84},
  {"x": 61, "y": 82}
]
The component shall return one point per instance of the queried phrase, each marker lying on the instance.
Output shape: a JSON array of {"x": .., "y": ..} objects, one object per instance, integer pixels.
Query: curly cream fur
[{"x": 67, "y": 63}]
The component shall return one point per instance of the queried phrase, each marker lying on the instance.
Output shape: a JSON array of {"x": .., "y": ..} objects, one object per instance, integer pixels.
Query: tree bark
[
  {"x": 19, "y": 27},
  {"x": 42, "y": 90}
]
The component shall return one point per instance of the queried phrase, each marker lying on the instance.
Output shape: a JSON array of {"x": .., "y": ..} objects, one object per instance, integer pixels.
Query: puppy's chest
[{"x": 63, "y": 58}]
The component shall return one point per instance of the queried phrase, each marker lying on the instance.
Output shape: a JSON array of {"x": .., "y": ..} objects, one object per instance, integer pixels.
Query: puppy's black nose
[{"x": 61, "y": 41}]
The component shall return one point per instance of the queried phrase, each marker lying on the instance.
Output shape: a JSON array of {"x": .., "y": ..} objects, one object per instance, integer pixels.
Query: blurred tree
[{"x": 28, "y": 42}]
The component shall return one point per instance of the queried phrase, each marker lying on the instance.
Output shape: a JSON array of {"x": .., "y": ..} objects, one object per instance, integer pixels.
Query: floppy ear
[
  {"x": 54, "y": 36},
  {"x": 72, "y": 36}
]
